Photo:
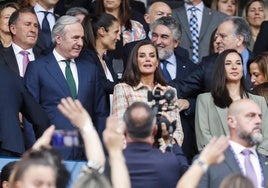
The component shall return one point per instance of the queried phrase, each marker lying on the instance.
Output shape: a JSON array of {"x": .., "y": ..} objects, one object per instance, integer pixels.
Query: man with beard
[
  {"x": 244, "y": 121},
  {"x": 166, "y": 34}
]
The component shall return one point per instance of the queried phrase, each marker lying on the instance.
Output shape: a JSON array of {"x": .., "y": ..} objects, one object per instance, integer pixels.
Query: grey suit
[
  {"x": 210, "y": 21},
  {"x": 217, "y": 173},
  {"x": 211, "y": 120}
]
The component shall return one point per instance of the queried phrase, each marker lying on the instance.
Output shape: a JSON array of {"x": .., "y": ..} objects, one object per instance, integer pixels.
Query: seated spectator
[
  {"x": 5, "y": 174},
  {"x": 78, "y": 12},
  {"x": 211, "y": 108},
  {"x": 228, "y": 7},
  {"x": 255, "y": 15}
]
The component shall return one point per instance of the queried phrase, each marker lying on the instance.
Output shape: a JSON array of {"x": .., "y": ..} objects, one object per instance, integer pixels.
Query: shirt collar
[
  {"x": 59, "y": 57},
  {"x": 199, "y": 6},
  {"x": 39, "y": 8},
  {"x": 141, "y": 85},
  {"x": 238, "y": 148},
  {"x": 17, "y": 49},
  {"x": 172, "y": 59}
]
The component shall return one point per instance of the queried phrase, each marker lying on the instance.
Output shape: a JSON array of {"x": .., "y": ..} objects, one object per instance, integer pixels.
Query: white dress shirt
[
  {"x": 40, "y": 15},
  {"x": 237, "y": 149},
  {"x": 199, "y": 13},
  {"x": 171, "y": 66},
  {"x": 19, "y": 57},
  {"x": 62, "y": 65}
]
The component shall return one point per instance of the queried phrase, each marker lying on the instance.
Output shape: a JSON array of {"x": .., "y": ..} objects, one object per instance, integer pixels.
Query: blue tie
[
  {"x": 194, "y": 33},
  {"x": 165, "y": 71},
  {"x": 46, "y": 29}
]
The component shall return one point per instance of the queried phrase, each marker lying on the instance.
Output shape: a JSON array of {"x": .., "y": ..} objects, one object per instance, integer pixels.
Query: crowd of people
[{"x": 160, "y": 96}]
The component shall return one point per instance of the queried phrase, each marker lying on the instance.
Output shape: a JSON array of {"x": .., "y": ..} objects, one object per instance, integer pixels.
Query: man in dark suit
[
  {"x": 166, "y": 35},
  {"x": 44, "y": 10},
  {"x": 14, "y": 99},
  {"x": 60, "y": 74},
  {"x": 24, "y": 37},
  {"x": 261, "y": 43},
  {"x": 244, "y": 121},
  {"x": 23, "y": 26},
  {"x": 154, "y": 11},
  {"x": 232, "y": 33},
  {"x": 147, "y": 166},
  {"x": 207, "y": 21}
]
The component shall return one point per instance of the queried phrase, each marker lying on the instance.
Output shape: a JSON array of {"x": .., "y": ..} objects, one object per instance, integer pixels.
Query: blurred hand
[
  {"x": 213, "y": 153},
  {"x": 113, "y": 135},
  {"x": 75, "y": 112},
  {"x": 45, "y": 139},
  {"x": 183, "y": 104}
]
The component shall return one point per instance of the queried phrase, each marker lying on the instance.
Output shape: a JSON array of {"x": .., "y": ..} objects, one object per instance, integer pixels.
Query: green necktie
[{"x": 70, "y": 78}]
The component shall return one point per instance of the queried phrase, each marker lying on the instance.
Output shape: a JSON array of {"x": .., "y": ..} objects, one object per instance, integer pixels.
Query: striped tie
[{"x": 194, "y": 32}]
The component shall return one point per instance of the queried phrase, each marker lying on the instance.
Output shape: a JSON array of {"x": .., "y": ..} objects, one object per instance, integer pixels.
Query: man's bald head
[
  {"x": 244, "y": 120},
  {"x": 157, "y": 10}
]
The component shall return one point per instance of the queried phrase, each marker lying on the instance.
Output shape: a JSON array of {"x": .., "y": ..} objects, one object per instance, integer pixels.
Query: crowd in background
[{"x": 153, "y": 87}]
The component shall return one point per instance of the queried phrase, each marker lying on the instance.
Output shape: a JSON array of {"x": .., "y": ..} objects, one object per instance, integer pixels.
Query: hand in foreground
[
  {"x": 45, "y": 139},
  {"x": 213, "y": 153},
  {"x": 74, "y": 111},
  {"x": 113, "y": 135}
]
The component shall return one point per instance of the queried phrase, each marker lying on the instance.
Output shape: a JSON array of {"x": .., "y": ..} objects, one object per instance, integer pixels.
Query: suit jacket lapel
[
  {"x": 10, "y": 59},
  {"x": 82, "y": 77},
  {"x": 55, "y": 72},
  {"x": 264, "y": 165},
  {"x": 205, "y": 23},
  {"x": 182, "y": 14},
  {"x": 221, "y": 113},
  {"x": 230, "y": 160}
]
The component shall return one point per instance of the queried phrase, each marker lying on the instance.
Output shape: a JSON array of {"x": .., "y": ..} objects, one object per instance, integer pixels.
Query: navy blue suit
[
  {"x": 149, "y": 167},
  {"x": 45, "y": 80},
  {"x": 14, "y": 99},
  {"x": 108, "y": 86},
  {"x": 184, "y": 68}
]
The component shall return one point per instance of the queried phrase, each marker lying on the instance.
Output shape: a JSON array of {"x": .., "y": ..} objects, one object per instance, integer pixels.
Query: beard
[
  {"x": 165, "y": 54},
  {"x": 253, "y": 139}
]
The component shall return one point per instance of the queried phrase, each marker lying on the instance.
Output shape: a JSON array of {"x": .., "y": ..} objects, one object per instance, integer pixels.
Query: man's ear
[
  {"x": 231, "y": 121},
  {"x": 240, "y": 40},
  {"x": 147, "y": 18},
  {"x": 176, "y": 43},
  {"x": 155, "y": 128},
  {"x": 12, "y": 29}
]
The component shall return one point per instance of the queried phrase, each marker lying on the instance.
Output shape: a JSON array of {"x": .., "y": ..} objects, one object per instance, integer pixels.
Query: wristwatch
[{"x": 203, "y": 165}]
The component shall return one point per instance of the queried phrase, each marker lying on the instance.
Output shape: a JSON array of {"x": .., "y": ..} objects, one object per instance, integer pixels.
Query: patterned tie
[
  {"x": 46, "y": 29},
  {"x": 250, "y": 172},
  {"x": 25, "y": 60},
  {"x": 70, "y": 79},
  {"x": 194, "y": 32},
  {"x": 165, "y": 71}
]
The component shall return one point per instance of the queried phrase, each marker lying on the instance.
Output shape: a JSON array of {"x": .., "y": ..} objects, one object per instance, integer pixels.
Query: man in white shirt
[{"x": 207, "y": 21}]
